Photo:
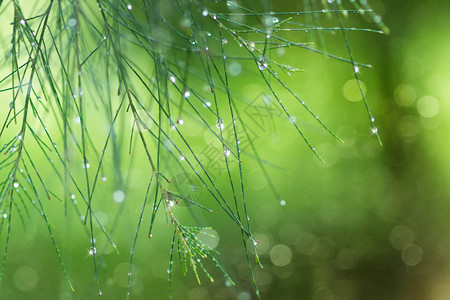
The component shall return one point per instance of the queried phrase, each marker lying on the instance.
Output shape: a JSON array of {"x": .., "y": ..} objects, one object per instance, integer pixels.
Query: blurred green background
[{"x": 370, "y": 223}]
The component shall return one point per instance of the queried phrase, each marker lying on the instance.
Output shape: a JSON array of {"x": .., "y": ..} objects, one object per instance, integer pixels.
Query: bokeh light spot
[
  {"x": 352, "y": 91},
  {"x": 428, "y": 106},
  {"x": 26, "y": 278},
  {"x": 280, "y": 255}
]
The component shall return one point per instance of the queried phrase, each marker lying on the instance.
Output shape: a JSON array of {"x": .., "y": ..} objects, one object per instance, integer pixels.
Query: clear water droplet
[
  {"x": 92, "y": 251},
  {"x": 129, "y": 7},
  {"x": 251, "y": 46},
  {"x": 16, "y": 185},
  {"x": 262, "y": 63},
  {"x": 85, "y": 164},
  {"x": 220, "y": 124},
  {"x": 71, "y": 22},
  {"x": 282, "y": 202}
]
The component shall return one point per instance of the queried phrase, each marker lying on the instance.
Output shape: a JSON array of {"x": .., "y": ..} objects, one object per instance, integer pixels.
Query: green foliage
[{"x": 97, "y": 88}]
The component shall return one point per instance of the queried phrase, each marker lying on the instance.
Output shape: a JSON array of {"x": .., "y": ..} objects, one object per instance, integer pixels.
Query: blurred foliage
[{"x": 369, "y": 223}]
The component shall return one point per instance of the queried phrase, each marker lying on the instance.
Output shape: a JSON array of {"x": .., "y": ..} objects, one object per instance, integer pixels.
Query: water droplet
[
  {"x": 275, "y": 20},
  {"x": 356, "y": 68},
  {"x": 72, "y": 196},
  {"x": 5, "y": 216},
  {"x": 220, "y": 125},
  {"x": 207, "y": 104},
  {"x": 92, "y": 251},
  {"x": 71, "y": 22},
  {"x": 262, "y": 64},
  {"x": 251, "y": 46},
  {"x": 187, "y": 94},
  {"x": 227, "y": 151},
  {"x": 182, "y": 157},
  {"x": 374, "y": 130},
  {"x": 171, "y": 203},
  {"x": 205, "y": 12},
  {"x": 129, "y": 7},
  {"x": 224, "y": 41},
  {"x": 16, "y": 185},
  {"x": 180, "y": 121},
  {"x": 229, "y": 283},
  {"x": 282, "y": 202},
  {"x": 104, "y": 178},
  {"x": 85, "y": 164},
  {"x": 22, "y": 22}
]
